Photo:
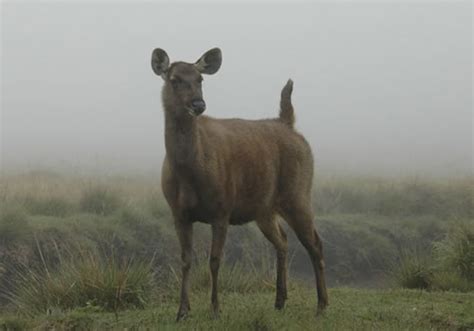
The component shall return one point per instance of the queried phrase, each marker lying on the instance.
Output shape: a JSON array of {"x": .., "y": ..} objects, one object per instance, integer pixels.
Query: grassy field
[
  {"x": 101, "y": 253},
  {"x": 350, "y": 309}
]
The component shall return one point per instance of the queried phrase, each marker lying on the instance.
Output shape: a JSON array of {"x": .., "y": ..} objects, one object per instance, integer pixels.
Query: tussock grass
[
  {"x": 99, "y": 200},
  {"x": 413, "y": 270},
  {"x": 449, "y": 266},
  {"x": 456, "y": 250},
  {"x": 86, "y": 279},
  {"x": 363, "y": 222},
  {"x": 77, "y": 247}
]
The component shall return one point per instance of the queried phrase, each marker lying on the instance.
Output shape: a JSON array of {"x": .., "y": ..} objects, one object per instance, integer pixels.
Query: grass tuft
[
  {"x": 412, "y": 271},
  {"x": 99, "y": 200},
  {"x": 86, "y": 280},
  {"x": 456, "y": 251}
]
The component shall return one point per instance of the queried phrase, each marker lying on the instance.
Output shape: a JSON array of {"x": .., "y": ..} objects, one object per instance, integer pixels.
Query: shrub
[
  {"x": 449, "y": 268},
  {"x": 456, "y": 251},
  {"x": 85, "y": 280},
  {"x": 99, "y": 201},
  {"x": 412, "y": 270}
]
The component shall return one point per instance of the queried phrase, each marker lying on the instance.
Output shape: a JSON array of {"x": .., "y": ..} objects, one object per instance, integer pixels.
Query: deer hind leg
[
  {"x": 219, "y": 233},
  {"x": 184, "y": 229},
  {"x": 301, "y": 221},
  {"x": 273, "y": 231}
]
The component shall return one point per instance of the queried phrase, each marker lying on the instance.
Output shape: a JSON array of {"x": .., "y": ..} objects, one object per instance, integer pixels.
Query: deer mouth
[
  {"x": 191, "y": 112},
  {"x": 195, "y": 111}
]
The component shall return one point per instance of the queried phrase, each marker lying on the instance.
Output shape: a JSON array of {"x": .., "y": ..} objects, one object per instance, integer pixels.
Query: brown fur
[{"x": 232, "y": 171}]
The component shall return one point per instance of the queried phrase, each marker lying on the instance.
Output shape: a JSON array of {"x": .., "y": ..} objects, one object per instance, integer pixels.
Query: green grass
[
  {"x": 413, "y": 270},
  {"x": 456, "y": 251},
  {"x": 364, "y": 223},
  {"x": 447, "y": 265},
  {"x": 350, "y": 309},
  {"x": 83, "y": 280},
  {"x": 99, "y": 200}
]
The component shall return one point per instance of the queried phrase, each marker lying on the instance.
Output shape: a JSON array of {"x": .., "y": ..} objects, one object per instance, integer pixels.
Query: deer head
[{"x": 183, "y": 81}]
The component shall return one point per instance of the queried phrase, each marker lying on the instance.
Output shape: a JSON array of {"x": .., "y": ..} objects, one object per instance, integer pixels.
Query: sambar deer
[{"x": 232, "y": 171}]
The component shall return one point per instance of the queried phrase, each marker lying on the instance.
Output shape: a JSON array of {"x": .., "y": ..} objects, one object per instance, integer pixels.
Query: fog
[{"x": 380, "y": 88}]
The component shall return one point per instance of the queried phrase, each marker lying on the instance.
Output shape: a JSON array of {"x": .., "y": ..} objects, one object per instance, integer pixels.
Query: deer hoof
[
  {"x": 321, "y": 309},
  {"x": 182, "y": 314},
  {"x": 279, "y": 304}
]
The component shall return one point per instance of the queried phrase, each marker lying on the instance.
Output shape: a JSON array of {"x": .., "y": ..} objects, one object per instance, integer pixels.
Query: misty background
[{"x": 380, "y": 88}]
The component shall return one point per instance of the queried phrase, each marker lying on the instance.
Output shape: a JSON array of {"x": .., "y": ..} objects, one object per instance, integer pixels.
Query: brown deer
[{"x": 232, "y": 171}]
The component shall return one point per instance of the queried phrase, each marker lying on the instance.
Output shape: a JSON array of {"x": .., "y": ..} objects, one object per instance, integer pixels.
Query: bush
[
  {"x": 456, "y": 251},
  {"x": 99, "y": 201},
  {"x": 450, "y": 268},
  {"x": 412, "y": 270},
  {"x": 85, "y": 280}
]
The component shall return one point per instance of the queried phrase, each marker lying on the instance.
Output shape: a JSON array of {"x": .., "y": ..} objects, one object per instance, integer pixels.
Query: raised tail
[{"x": 287, "y": 114}]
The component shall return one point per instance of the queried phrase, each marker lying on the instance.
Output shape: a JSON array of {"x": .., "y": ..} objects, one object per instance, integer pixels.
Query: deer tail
[{"x": 287, "y": 114}]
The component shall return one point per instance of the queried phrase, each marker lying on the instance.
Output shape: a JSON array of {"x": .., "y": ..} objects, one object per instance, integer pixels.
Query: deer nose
[{"x": 198, "y": 106}]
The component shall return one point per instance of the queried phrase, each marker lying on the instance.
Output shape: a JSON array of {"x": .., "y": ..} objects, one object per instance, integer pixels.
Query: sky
[{"x": 380, "y": 87}]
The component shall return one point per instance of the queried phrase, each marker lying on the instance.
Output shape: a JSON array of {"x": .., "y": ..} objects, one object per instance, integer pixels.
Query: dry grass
[{"x": 83, "y": 279}]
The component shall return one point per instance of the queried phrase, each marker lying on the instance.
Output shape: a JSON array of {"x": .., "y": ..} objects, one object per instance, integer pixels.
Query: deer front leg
[
  {"x": 219, "y": 233},
  {"x": 184, "y": 229}
]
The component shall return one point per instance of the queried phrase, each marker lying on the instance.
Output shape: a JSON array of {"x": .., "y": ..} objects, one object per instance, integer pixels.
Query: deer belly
[{"x": 239, "y": 217}]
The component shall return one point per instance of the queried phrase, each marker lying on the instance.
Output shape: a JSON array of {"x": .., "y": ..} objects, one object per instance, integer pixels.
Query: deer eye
[{"x": 175, "y": 81}]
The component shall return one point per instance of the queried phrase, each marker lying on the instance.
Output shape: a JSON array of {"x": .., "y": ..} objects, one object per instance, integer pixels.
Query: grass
[
  {"x": 361, "y": 229},
  {"x": 456, "y": 251},
  {"x": 84, "y": 279},
  {"x": 364, "y": 224},
  {"x": 14, "y": 226},
  {"x": 99, "y": 200},
  {"x": 409, "y": 196},
  {"x": 350, "y": 309},
  {"x": 449, "y": 265},
  {"x": 446, "y": 280},
  {"x": 413, "y": 270},
  {"x": 446, "y": 198}
]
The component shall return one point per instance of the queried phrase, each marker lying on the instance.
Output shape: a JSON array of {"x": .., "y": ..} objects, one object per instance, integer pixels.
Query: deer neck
[{"x": 181, "y": 140}]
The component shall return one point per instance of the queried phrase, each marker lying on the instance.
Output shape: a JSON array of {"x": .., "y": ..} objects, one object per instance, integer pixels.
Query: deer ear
[
  {"x": 210, "y": 62},
  {"x": 159, "y": 61}
]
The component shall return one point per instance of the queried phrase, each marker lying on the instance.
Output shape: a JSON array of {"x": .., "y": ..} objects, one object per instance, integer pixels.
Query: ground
[{"x": 350, "y": 309}]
